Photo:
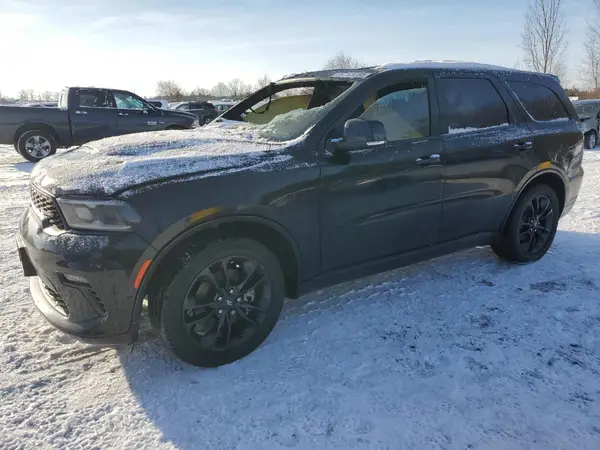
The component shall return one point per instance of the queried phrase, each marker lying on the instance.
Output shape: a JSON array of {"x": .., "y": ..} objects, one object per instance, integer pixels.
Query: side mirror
[{"x": 359, "y": 133}]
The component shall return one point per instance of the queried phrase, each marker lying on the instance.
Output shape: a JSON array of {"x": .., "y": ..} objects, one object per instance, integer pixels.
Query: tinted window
[
  {"x": 184, "y": 106},
  {"x": 470, "y": 103},
  {"x": 94, "y": 99},
  {"x": 125, "y": 100},
  {"x": 403, "y": 110},
  {"x": 539, "y": 101}
]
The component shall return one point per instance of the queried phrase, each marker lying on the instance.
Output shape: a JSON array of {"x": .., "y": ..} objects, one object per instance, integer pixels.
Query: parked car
[
  {"x": 589, "y": 114},
  {"x": 157, "y": 103},
  {"x": 358, "y": 172},
  {"x": 223, "y": 106},
  {"x": 205, "y": 111},
  {"x": 84, "y": 115}
]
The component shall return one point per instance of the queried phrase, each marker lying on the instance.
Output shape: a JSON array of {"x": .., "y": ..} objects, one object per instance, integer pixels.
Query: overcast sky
[{"x": 131, "y": 44}]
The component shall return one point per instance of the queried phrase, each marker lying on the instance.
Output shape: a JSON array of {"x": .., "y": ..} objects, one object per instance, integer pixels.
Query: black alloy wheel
[
  {"x": 531, "y": 226},
  {"x": 226, "y": 303},
  {"x": 536, "y": 224},
  {"x": 221, "y": 302}
]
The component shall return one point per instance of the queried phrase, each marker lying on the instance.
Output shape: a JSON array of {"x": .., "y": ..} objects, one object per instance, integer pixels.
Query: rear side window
[
  {"x": 469, "y": 104},
  {"x": 94, "y": 99},
  {"x": 540, "y": 102}
]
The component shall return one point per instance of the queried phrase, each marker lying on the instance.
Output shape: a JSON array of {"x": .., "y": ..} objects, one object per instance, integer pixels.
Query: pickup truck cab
[{"x": 84, "y": 115}]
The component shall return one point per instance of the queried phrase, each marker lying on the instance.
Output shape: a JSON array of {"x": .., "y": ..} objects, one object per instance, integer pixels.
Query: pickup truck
[{"x": 84, "y": 115}]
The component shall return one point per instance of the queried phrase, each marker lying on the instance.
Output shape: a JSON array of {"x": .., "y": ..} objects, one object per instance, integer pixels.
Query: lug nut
[{"x": 220, "y": 311}]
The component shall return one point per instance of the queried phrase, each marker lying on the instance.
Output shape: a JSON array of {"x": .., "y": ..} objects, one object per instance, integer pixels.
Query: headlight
[{"x": 106, "y": 215}]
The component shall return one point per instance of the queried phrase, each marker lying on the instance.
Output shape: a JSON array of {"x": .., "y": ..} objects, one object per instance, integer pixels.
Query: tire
[
  {"x": 206, "y": 120},
  {"x": 205, "y": 324},
  {"x": 591, "y": 139},
  {"x": 35, "y": 145},
  {"x": 527, "y": 217}
]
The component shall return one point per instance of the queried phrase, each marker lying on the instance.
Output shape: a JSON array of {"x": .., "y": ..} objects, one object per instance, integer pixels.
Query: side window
[
  {"x": 540, "y": 102},
  {"x": 403, "y": 110},
  {"x": 125, "y": 100},
  {"x": 183, "y": 106},
  {"x": 94, "y": 99},
  {"x": 467, "y": 104}
]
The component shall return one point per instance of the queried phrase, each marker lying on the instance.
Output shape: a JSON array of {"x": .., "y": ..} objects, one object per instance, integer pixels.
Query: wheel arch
[
  {"x": 30, "y": 126},
  {"x": 265, "y": 231},
  {"x": 552, "y": 177}
]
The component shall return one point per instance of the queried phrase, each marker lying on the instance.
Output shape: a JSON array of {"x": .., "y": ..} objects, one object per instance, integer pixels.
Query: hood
[
  {"x": 107, "y": 166},
  {"x": 174, "y": 113}
]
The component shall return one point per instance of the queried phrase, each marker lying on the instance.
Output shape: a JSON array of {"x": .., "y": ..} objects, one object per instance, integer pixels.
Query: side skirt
[{"x": 393, "y": 262}]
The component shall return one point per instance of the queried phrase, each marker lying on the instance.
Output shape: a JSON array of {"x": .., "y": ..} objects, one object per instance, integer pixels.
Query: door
[
  {"x": 93, "y": 115},
  {"x": 198, "y": 110},
  {"x": 386, "y": 198},
  {"x": 134, "y": 114},
  {"x": 488, "y": 150}
]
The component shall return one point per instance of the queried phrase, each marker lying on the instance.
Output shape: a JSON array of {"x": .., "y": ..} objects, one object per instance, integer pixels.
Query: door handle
[
  {"x": 81, "y": 113},
  {"x": 431, "y": 159},
  {"x": 522, "y": 146},
  {"x": 123, "y": 114}
]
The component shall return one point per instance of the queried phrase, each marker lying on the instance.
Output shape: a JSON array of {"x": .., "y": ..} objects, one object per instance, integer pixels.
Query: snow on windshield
[{"x": 283, "y": 127}]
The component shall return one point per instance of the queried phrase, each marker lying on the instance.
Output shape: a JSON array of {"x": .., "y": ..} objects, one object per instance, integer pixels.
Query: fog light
[{"x": 74, "y": 279}]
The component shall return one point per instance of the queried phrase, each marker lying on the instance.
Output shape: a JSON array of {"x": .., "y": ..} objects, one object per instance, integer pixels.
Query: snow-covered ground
[{"x": 464, "y": 352}]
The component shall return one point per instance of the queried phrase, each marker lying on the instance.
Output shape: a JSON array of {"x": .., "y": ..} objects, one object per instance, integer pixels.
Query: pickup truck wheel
[
  {"x": 222, "y": 302},
  {"x": 35, "y": 145},
  {"x": 591, "y": 139}
]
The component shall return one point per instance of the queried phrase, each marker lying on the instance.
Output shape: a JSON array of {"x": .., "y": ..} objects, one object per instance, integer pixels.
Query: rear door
[
  {"x": 386, "y": 198},
  {"x": 93, "y": 115},
  {"x": 134, "y": 115},
  {"x": 488, "y": 150}
]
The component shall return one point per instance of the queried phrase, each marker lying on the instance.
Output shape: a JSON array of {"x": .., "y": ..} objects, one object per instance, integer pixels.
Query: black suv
[
  {"x": 205, "y": 111},
  {"x": 315, "y": 179}
]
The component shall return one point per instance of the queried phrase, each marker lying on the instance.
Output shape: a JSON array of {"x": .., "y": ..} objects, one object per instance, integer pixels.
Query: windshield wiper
[{"x": 271, "y": 86}]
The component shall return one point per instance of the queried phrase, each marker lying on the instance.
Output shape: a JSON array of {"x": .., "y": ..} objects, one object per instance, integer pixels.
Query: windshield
[
  {"x": 586, "y": 109},
  {"x": 285, "y": 111}
]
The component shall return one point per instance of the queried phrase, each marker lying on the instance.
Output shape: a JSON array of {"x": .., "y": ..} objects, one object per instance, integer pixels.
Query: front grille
[
  {"x": 46, "y": 206},
  {"x": 55, "y": 300}
]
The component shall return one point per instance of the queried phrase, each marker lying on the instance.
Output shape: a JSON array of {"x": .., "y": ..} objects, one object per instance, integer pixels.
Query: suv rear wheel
[
  {"x": 222, "y": 303},
  {"x": 531, "y": 227}
]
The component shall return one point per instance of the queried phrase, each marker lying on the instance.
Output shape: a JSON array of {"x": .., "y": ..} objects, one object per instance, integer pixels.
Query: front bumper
[{"x": 82, "y": 283}]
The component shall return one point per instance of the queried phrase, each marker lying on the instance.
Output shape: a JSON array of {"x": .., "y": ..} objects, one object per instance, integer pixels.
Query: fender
[
  {"x": 541, "y": 169},
  {"x": 157, "y": 255}
]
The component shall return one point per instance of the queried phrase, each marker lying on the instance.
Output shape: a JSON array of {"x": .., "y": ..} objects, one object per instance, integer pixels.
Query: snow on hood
[{"x": 109, "y": 165}]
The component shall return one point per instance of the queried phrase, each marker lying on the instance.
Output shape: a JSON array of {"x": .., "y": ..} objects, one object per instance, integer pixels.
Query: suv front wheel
[
  {"x": 222, "y": 302},
  {"x": 531, "y": 226}
]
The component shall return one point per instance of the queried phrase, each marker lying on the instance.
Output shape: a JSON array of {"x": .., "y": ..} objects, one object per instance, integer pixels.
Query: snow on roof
[{"x": 442, "y": 64}]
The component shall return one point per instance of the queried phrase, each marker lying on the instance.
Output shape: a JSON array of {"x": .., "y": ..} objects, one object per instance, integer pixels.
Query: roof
[{"x": 365, "y": 72}]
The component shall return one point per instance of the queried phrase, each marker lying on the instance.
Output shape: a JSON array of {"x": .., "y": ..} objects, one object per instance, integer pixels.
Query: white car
[{"x": 159, "y": 103}]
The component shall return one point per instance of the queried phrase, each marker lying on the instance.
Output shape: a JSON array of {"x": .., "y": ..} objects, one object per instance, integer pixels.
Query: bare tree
[
  {"x": 49, "y": 96},
  {"x": 590, "y": 73},
  {"x": 263, "y": 81},
  {"x": 170, "y": 90},
  {"x": 200, "y": 92},
  {"x": 220, "y": 90},
  {"x": 238, "y": 89},
  {"x": 342, "y": 60},
  {"x": 25, "y": 95},
  {"x": 543, "y": 39}
]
